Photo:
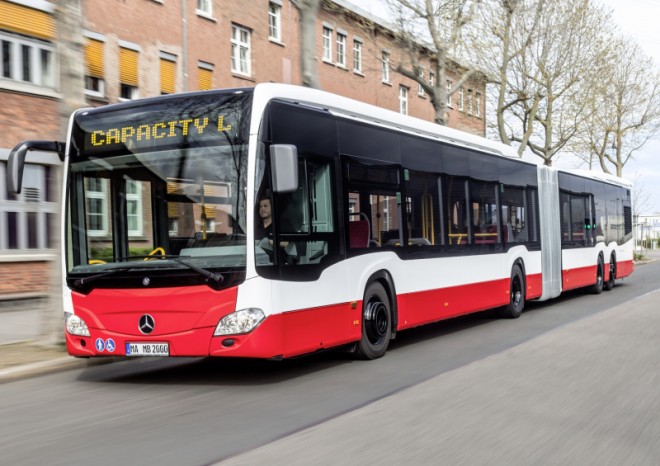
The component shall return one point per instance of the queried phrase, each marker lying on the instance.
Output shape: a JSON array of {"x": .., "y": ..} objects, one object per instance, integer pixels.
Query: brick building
[{"x": 141, "y": 48}]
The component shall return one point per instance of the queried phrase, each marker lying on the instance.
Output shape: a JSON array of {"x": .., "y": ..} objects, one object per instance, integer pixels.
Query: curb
[{"x": 40, "y": 368}]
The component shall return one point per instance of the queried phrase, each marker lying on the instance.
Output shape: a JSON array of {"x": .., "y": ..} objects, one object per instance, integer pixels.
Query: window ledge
[
  {"x": 206, "y": 16},
  {"x": 387, "y": 83},
  {"x": 342, "y": 67},
  {"x": 41, "y": 255},
  {"x": 243, "y": 76},
  {"x": 28, "y": 88},
  {"x": 328, "y": 62},
  {"x": 359, "y": 73},
  {"x": 97, "y": 98},
  {"x": 276, "y": 42}
]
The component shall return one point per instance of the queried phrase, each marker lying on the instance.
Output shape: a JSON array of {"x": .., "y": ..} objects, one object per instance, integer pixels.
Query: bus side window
[
  {"x": 422, "y": 209},
  {"x": 455, "y": 211}
]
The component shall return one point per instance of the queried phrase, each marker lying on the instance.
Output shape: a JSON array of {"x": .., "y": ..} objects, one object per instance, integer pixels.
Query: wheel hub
[{"x": 375, "y": 320}]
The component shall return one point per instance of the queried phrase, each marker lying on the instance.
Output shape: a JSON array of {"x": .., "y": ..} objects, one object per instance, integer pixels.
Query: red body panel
[
  {"x": 433, "y": 305},
  {"x": 534, "y": 286},
  {"x": 623, "y": 268},
  {"x": 295, "y": 333},
  {"x": 578, "y": 277},
  {"x": 184, "y": 316}
]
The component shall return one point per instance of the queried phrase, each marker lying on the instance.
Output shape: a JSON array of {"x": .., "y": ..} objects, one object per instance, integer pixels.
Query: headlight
[
  {"x": 242, "y": 321},
  {"x": 75, "y": 325}
]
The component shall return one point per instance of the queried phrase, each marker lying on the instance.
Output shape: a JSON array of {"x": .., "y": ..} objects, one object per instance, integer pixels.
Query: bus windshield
[{"x": 159, "y": 185}]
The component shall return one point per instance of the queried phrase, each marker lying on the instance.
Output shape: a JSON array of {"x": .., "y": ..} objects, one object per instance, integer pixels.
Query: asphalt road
[{"x": 198, "y": 412}]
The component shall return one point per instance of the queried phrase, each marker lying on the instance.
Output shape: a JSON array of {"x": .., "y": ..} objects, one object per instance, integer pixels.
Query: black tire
[
  {"x": 516, "y": 295},
  {"x": 609, "y": 284},
  {"x": 597, "y": 288},
  {"x": 376, "y": 323}
]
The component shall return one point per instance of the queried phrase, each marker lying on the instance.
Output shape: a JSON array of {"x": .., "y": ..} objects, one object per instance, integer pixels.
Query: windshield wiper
[
  {"x": 146, "y": 256},
  {"x": 85, "y": 281},
  {"x": 216, "y": 277}
]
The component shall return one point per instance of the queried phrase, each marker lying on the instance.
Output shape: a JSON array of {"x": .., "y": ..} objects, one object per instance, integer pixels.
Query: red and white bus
[{"x": 277, "y": 221}]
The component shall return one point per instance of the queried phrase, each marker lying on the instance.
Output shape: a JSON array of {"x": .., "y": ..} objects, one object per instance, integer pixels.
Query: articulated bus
[{"x": 277, "y": 221}]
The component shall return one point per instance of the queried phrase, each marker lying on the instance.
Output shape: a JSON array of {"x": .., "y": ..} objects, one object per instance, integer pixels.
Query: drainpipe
[{"x": 184, "y": 33}]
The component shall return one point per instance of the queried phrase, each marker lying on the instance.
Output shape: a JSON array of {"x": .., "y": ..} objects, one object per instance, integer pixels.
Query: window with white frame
[
  {"x": 385, "y": 59},
  {"x": 469, "y": 110},
  {"x": 477, "y": 104},
  {"x": 431, "y": 79},
  {"x": 27, "y": 220},
  {"x": 327, "y": 44},
  {"x": 134, "y": 207},
  {"x": 420, "y": 89},
  {"x": 461, "y": 99},
  {"x": 357, "y": 56},
  {"x": 26, "y": 60},
  {"x": 274, "y": 21},
  {"x": 341, "y": 49},
  {"x": 96, "y": 206},
  {"x": 205, "y": 7},
  {"x": 240, "y": 50},
  {"x": 403, "y": 100},
  {"x": 128, "y": 92},
  {"x": 449, "y": 85}
]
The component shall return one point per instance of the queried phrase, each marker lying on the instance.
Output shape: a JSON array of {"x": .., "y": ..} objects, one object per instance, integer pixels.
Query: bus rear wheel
[
  {"x": 609, "y": 284},
  {"x": 597, "y": 288},
  {"x": 516, "y": 294},
  {"x": 376, "y": 323}
]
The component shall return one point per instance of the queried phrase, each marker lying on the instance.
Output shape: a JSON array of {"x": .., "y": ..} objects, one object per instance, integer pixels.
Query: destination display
[{"x": 161, "y": 125}]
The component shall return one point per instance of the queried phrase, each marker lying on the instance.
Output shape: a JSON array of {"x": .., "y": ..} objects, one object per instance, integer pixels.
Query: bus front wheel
[
  {"x": 376, "y": 323},
  {"x": 516, "y": 294}
]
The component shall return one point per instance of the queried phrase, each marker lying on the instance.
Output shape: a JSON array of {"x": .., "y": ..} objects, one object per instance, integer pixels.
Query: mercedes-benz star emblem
[
  {"x": 146, "y": 281},
  {"x": 146, "y": 324}
]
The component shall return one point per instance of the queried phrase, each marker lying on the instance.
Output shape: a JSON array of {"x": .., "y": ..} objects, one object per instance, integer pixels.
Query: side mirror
[
  {"x": 284, "y": 167},
  {"x": 16, "y": 161}
]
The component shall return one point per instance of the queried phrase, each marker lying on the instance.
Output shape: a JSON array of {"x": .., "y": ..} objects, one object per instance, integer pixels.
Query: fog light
[
  {"x": 243, "y": 321},
  {"x": 75, "y": 325}
]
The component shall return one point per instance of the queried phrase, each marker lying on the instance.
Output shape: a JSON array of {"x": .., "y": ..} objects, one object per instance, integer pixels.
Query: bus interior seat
[{"x": 358, "y": 231}]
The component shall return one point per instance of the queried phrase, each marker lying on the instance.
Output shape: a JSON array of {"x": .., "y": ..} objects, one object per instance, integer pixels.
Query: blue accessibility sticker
[
  {"x": 110, "y": 345},
  {"x": 100, "y": 344}
]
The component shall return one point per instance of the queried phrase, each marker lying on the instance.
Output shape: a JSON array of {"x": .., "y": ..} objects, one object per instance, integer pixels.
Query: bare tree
[
  {"x": 308, "y": 13},
  {"x": 551, "y": 76},
  {"x": 441, "y": 23},
  {"x": 625, "y": 109},
  {"x": 513, "y": 28}
]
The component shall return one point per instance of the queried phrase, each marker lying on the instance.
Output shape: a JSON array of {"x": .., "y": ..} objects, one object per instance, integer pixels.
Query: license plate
[{"x": 147, "y": 349}]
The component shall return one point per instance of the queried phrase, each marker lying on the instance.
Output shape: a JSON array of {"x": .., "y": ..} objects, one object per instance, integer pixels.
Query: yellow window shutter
[
  {"x": 94, "y": 57},
  {"x": 167, "y": 76},
  {"x": 25, "y": 20},
  {"x": 128, "y": 66},
  {"x": 205, "y": 79}
]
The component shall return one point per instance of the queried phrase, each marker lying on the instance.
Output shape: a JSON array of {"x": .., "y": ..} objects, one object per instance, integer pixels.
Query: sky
[{"x": 637, "y": 19}]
